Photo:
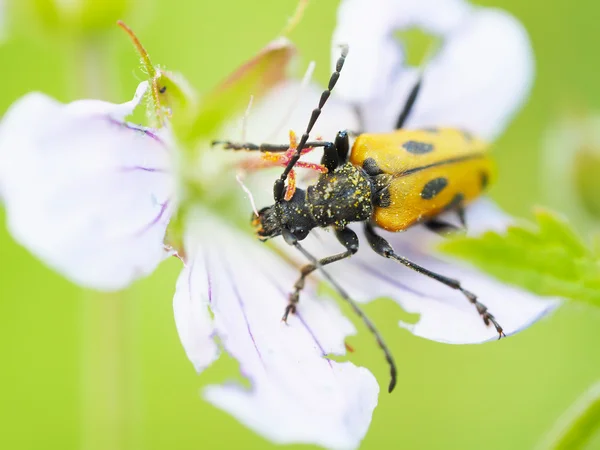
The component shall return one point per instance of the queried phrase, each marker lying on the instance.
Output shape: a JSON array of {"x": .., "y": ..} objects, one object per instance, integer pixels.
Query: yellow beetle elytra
[
  {"x": 426, "y": 172},
  {"x": 387, "y": 180}
]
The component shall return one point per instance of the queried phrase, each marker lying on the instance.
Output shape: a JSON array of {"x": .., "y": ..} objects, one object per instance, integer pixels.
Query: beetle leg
[
  {"x": 349, "y": 240},
  {"x": 442, "y": 228},
  {"x": 292, "y": 240},
  {"x": 383, "y": 248},
  {"x": 461, "y": 216}
]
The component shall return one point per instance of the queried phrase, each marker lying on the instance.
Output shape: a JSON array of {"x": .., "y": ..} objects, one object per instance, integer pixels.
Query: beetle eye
[{"x": 300, "y": 233}]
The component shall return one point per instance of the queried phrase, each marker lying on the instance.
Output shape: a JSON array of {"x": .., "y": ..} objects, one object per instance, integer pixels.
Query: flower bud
[
  {"x": 77, "y": 17},
  {"x": 572, "y": 168},
  {"x": 586, "y": 167}
]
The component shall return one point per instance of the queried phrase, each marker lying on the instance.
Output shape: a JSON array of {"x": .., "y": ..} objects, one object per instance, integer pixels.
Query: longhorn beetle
[{"x": 388, "y": 180}]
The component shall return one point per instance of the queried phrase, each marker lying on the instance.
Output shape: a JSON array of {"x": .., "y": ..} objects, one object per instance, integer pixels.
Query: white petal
[
  {"x": 85, "y": 192},
  {"x": 480, "y": 77},
  {"x": 192, "y": 298},
  {"x": 445, "y": 314},
  {"x": 289, "y": 107},
  {"x": 296, "y": 394},
  {"x": 375, "y": 57}
]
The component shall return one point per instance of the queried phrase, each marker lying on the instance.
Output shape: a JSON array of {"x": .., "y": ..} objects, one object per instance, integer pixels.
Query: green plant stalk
[
  {"x": 578, "y": 425},
  {"x": 109, "y": 366},
  {"x": 109, "y": 386}
]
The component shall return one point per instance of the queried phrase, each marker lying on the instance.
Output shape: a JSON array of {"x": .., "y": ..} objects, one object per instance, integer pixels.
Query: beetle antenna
[
  {"x": 359, "y": 312},
  {"x": 279, "y": 186}
]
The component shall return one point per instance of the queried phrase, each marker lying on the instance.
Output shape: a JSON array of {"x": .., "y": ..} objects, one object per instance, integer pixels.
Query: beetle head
[
  {"x": 266, "y": 225},
  {"x": 293, "y": 215}
]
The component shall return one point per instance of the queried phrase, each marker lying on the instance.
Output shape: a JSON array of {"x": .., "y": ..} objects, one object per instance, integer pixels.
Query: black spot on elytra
[
  {"x": 433, "y": 188},
  {"x": 485, "y": 179},
  {"x": 456, "y": 202},
  {"x": 370, "y": 166},
  {"x": 162, "y": 89},
  {"x": 417, "y": 148}
]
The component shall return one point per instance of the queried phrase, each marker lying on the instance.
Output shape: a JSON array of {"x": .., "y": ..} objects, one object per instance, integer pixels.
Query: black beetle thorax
[
  {"x": 340, "y": 197},
  {"x": 295, "y": 215}
]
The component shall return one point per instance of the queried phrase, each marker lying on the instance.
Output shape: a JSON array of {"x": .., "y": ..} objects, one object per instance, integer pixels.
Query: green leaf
[
  {"x": 547, "y": 258},
  {"x": 578, "y": 425},
  {"x": 587, "y": 183}
]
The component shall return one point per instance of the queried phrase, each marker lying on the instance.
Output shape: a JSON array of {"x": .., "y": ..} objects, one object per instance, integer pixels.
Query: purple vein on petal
[
  {"x": 242, "y": 308},
  {"x": 144, "y": 169},
  {"x": 206, "y": 258},
  {"x": 143, "y": 130},
  {"x": 208, "y": 275},
  {"x": 300, "y": 318},
  {"x": 154, "y": 221},
  {"x": 312, "y": 334}
]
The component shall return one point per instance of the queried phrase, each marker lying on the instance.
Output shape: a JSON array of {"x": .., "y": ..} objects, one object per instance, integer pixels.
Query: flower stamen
[
  {"x": 275, "y": 159},
  {"x": 291, "y": 187},
  {"x": 238, "y": 178}
]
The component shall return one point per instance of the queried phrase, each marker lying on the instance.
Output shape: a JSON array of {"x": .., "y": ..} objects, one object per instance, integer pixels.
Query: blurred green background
[{"x": 63, "y": 387}]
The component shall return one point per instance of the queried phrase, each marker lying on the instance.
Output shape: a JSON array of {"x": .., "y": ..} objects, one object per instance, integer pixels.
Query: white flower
[{"x": 92, "y": 196}]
